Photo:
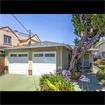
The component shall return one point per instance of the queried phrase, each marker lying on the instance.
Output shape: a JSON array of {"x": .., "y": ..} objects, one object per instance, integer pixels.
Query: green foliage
[
  {"x": 54, "y": 79},
  {"x": 52, "y": 86},
  {"x": 103, "y": 82},
  {"x": 3, "y": 52},
  {"x": 101, "y": 74},
  {"x": 97, "y": 21},
  {"x": 76, "y": 40},
  {"x": 97, "y": 62},
  {"x": 102, "y": 67}
]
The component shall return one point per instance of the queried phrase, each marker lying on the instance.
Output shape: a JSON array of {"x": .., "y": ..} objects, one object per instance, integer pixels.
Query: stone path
[{"x": 94, "y": 85}]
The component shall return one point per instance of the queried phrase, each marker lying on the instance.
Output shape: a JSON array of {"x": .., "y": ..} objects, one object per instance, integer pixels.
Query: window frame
[
  {"x": 7, "y": 38},
  {"x": 50, "y": 55},
  {"x": 23, "y": 55},
  {"x": 39, "y": 54},
  {"x": 13, "y": 55}
]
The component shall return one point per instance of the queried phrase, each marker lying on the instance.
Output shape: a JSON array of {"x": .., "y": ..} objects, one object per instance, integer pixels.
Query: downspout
[{"x": 58, "y": 55}]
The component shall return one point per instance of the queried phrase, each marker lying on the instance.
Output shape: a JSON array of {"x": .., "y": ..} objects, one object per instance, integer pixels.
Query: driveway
[
  {"x": 94, "y": 85},
  {"x": 13, "y": 82}
]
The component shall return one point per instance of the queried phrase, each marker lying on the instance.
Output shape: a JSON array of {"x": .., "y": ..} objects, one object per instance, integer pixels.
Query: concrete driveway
[{"x": 13, "y": 82}]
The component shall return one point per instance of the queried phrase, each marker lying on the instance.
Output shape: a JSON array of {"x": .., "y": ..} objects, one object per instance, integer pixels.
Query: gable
[{"x": 7, "y": 31}]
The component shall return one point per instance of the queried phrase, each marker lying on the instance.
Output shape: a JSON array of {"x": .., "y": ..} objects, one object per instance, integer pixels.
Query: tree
[
  {"x": 89, "y": 28},
  {"x": 77, "y": 65}
]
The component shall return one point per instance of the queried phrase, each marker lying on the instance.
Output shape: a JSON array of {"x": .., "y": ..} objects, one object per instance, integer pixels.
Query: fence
[{"x": 2, "y": 63}]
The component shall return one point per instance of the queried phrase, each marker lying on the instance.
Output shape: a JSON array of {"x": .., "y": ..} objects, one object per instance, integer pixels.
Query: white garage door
[
  {"x": 18, "y": 63},
  {"x": 43, "y": 62}
]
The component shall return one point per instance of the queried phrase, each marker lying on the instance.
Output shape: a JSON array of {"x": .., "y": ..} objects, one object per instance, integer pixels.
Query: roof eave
[{"x": 37, "y": 47}]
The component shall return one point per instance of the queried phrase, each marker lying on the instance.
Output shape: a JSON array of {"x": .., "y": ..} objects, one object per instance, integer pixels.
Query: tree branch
[
  {"x": 91, "y": 42},
  {"x": 80, "y": 17}
]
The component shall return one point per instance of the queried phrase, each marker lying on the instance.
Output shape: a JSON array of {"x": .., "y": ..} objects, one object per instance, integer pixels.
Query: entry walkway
[{"x": 94, "y": 85}]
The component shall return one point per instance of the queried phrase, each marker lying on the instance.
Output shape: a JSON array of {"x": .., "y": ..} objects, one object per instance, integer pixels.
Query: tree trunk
[{"x": 78, "y": 53}]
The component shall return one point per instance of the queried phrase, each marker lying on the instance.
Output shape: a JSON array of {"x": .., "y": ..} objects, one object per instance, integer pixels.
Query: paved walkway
[{"x": 94, "y": 85}]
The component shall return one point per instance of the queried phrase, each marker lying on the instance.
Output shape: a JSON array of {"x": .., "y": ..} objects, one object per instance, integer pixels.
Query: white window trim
[{"x": 7, "y": 39}]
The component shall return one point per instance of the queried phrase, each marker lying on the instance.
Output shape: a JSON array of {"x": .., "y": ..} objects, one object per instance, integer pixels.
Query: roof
[
  {"x": 27, "y": 37},
  {"x": 2, "y": 45},
  {"x": 99, "y": 44},
  {"x": 10, "y": 29},
  {"x": 72, "y": 46},
  {"x": 40, "y": 44},
  {"x": 93, "y": 49}
]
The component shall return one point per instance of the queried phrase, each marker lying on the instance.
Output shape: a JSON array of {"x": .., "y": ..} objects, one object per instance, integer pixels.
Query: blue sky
[{"x": 48, "y": 27}]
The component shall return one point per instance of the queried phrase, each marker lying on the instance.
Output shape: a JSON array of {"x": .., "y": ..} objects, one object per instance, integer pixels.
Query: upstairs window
[{"x": 7, "y": 39}]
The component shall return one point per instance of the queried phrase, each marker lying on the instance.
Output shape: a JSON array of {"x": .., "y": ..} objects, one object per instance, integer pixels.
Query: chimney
[{"x": 16, "y": 32}]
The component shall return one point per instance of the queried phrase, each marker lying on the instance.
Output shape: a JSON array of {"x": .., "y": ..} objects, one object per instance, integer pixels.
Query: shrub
[
  {"x": 102, "y": 62},
  {"x": 54, "y": 78},
  {"x": 102, "y": 67},
  {"x": 101, "y": 74},
  {"x": 74, "y": 75},
  {"x": 97, "y": 62},
  {"x": 103, "y": 81}
]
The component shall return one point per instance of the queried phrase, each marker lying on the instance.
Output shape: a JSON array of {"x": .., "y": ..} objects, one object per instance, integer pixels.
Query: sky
[{"x": 48, "y": 27}]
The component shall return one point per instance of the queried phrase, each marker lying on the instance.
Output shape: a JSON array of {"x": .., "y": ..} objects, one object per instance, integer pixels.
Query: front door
[{"x": 86, "y": 62}]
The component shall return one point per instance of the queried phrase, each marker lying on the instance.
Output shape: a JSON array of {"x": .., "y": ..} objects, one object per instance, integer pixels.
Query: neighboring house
[
  {"x": 9, "y": 38},
  {"x": 42, "y": 57},
  {"x": 101, "y": 52}
]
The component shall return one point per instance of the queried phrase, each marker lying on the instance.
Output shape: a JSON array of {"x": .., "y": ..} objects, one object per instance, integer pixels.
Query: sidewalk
[{"x": 94, "y": 85}]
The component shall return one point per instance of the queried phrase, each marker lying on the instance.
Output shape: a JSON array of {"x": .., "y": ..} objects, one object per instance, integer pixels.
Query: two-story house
[
  {"x": 10, "y": 38},
  {"x": 101, "y": 52}
]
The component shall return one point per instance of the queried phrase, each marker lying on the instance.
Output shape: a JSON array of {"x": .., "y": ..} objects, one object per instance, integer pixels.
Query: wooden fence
[{"x": 2, "y": 62}]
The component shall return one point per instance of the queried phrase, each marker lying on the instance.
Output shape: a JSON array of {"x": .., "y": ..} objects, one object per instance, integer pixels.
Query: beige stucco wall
[
  {"x": 101, "y": 47},
  {"x": 58, "y": 55},
  {"x": 65, "y": 61},
  {"x": 14, "y": 39}
]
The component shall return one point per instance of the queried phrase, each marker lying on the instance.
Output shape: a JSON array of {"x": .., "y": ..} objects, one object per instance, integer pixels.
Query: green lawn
[{"x": 13, "y": 82}]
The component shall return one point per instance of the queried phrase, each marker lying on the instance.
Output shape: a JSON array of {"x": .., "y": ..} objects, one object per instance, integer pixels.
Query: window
[
  {"x": 38, "y": 55},
  {"x": 7, "y": 39},
  {"x": 68, "y": 56},
  {"x": 49, "y": 55},
  {"x": 22, "y": 55},
  {"x": 13, "y": 55}
]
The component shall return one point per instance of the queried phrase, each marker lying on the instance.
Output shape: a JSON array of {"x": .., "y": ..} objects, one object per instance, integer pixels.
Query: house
[
  {"x": 101, "y": 52},
  {"x": 42, "y": 57},
  {"x": 10, "y": 38}
]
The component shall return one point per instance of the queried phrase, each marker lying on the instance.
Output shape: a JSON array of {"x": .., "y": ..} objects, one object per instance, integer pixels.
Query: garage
[
  {"x": 43, "y": 62},
  {"x": 18, "y": 63}
]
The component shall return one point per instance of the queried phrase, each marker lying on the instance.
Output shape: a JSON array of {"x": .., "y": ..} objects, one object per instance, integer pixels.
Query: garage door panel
[
  {"x": 18, "y": 64},
  {"x": 43, "y": 64},
  {"x": 18, "y": 72}
]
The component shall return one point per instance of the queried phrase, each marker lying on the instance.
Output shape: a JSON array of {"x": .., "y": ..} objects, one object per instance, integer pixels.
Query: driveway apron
[{"x": 13, "y": 82}]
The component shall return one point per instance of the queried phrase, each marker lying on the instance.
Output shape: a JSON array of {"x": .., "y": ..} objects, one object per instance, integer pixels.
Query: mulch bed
[{"x": 86, "y": 71}]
